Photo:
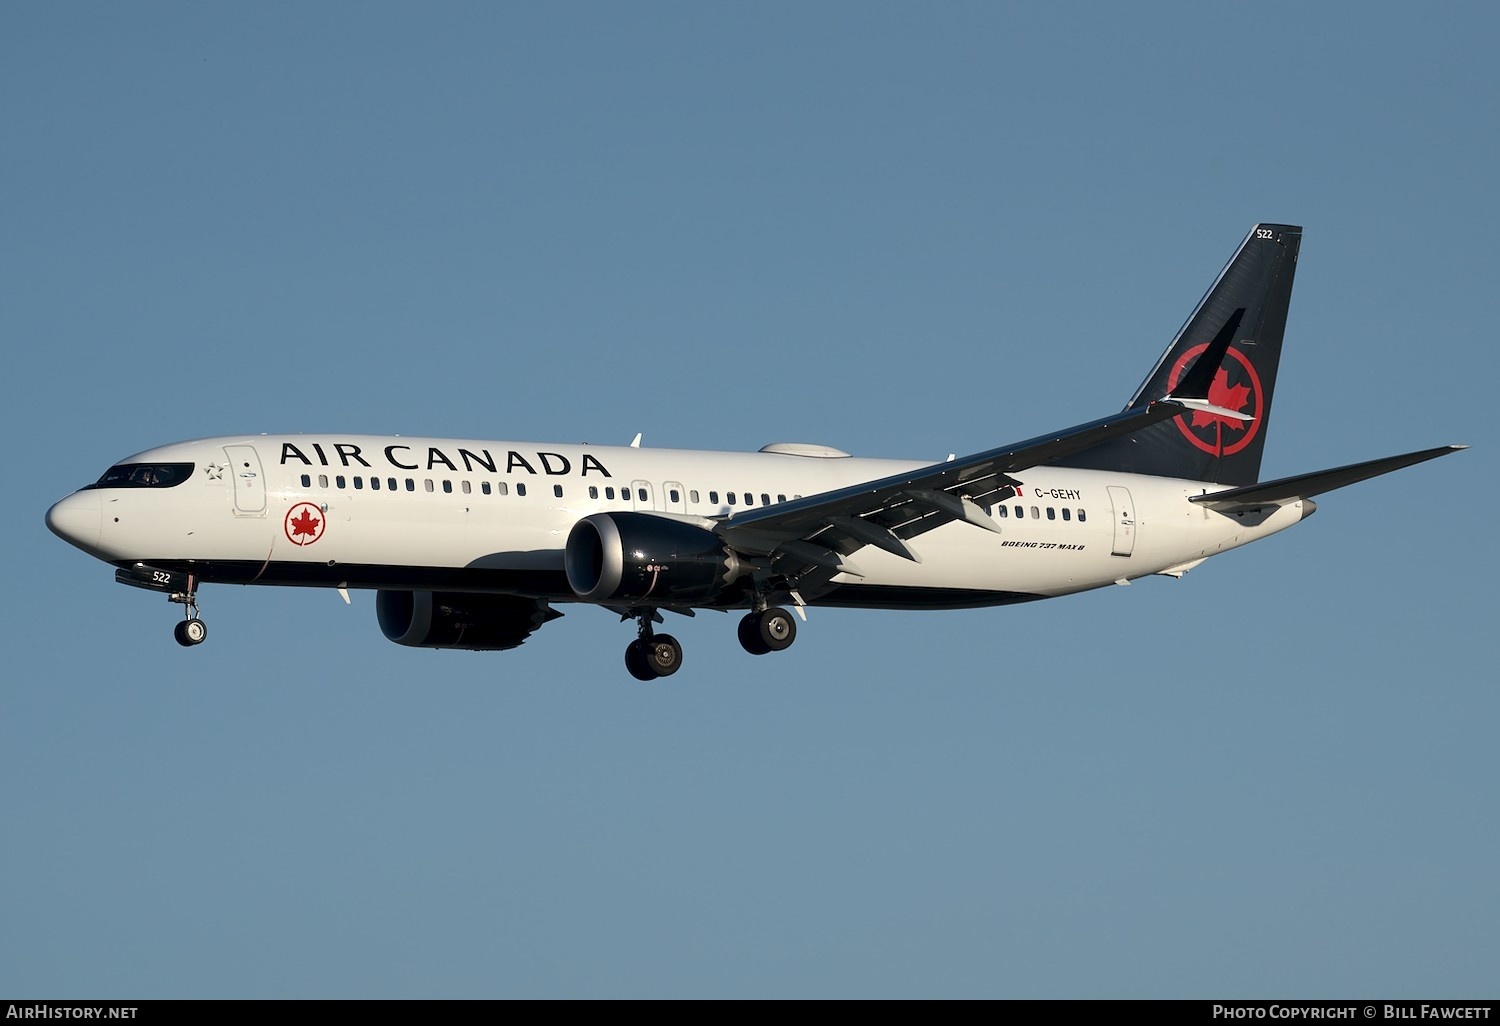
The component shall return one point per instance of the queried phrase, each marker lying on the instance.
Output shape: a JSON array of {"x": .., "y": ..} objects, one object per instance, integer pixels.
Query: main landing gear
[
  {"x": 768, "y": 630},
  {"x": 191, "y": 631},
  {"x": 652, "y": 655}
]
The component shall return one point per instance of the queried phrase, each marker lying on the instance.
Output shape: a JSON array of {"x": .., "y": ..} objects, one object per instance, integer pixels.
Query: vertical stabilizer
[{"x": 1199, "y": 445}]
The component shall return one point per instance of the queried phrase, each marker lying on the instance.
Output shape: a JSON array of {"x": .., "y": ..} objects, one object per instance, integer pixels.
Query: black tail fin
[{"x": 1257, "y": 281}]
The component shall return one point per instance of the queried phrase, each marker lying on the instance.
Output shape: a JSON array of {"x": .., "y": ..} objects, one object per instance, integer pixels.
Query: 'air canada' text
[{"x": 406, "y": 457}]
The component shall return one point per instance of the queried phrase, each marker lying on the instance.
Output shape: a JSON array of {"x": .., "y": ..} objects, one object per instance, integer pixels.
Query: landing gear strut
[
  {"x": 191, "y": 631},
  {"x": 767, "y": 630},
  {"x": 652, "y": 655}
]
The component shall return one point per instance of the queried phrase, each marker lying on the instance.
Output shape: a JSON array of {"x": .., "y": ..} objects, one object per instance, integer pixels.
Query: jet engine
[
  {"x": 642, "y": 558},
  {"x": 481, "y": 623}
]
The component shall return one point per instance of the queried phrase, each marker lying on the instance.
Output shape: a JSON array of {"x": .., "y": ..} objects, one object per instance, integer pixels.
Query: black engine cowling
[
  {"x": 638, "y": 557},
  {"x": 482, "y": 623}
]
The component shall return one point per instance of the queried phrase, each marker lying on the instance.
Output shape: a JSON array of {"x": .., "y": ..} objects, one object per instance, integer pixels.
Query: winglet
[
  {"x": 1192, "y": 391},
  {"x": 1204, "y": 406},
  {"x": 1196, "y": 382}
]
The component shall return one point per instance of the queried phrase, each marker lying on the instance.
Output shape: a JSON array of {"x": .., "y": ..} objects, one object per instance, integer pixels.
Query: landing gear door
[
  {"x": 1124, "y": 514},
  {"x": 249, "y": 482}
]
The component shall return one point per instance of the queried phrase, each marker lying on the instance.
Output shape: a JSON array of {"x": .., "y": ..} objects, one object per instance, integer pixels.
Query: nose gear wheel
[{"x": 191, "y": 630}]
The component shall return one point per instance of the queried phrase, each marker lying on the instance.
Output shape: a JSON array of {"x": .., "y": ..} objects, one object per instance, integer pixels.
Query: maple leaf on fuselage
[
  {"x": 1231, "y": 397},
  {"x": 304, "y": 524}
]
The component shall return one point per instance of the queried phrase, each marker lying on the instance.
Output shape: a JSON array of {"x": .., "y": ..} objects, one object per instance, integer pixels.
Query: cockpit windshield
[{"x": 145, "y": 475}]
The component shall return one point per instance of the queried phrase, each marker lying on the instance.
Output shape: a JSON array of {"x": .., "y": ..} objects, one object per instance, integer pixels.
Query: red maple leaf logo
[
  {"x": 305, "y": 524},
  {"x": 1231, "y": 397},
  {"x": 1206, "y": 430}
]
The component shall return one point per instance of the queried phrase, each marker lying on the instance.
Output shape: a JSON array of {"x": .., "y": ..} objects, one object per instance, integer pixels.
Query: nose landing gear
[
  {"x": 191, "y": 631},
  {"x": 179, "y": 587}
]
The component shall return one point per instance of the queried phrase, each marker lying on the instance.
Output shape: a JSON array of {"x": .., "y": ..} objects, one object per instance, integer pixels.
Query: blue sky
[{"x": 901, "y": 230}]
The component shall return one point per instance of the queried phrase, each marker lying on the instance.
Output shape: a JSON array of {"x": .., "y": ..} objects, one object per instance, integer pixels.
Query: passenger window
[
  {"x": 675, "y": 495},
  {"x": 713, "y": 498},
  {"x": 503, "y": 488},
  {"x": 765, "y": 500},
  {"x": 729, "y": 496},
  {"x": 322, "y": 480},
  {"x": 427, "y": 484},
  {"x": 306, "y": 480},
  {"x": 593, "y": 491},
  {"x": 1081, "y": 516},
  {"x": 1051, "y": 513},
  {"x": 411, "y": 484},
  {"x": 1036, "y": 514},
  {"x": 557, "y": 490},
  {"x": 359, "y": 483},
  {"x": 749, "y": 499},
  {"x": 780, "y": 498},
  {"x": 339, "y": 481},
  {"x": 390, "y": 484},
  {"x": 374, "y": 484},
  {"x": 1067, "y": 513},
  {"x": 609, "y": 491},
  {"x": 447, "y": 486},
  {"x": 1020, "y": 512},
  {"x": 1002, "y": 512},
  {"x": 468, "y": 489},
  {"x": 521, "y": 488},
  {"x": 484, "y": 486},
  {"x": 693, "y": 496}
]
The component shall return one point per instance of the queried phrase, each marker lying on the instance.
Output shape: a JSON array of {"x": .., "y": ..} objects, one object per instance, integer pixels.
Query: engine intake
[
  {"x": 639, "y": 557},
  {"x": 481, "y": 623}
]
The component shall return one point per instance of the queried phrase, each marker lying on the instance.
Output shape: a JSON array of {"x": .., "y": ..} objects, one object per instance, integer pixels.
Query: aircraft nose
[{"x": 77, "y": 519}]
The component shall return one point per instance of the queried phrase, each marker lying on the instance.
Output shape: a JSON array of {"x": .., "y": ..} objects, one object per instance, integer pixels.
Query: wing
[
  {"x": 812, "y": 537},
  {"x": 808, "y": 541}
]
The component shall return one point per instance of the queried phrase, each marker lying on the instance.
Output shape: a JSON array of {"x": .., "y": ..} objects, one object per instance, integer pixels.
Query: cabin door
[
  {"x": 1124, "y": 513},
  {"x": 249, "y": 482}
]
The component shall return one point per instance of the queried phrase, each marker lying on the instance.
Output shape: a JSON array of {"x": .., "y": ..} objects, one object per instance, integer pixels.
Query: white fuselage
[{"x": 428, "y": 514}]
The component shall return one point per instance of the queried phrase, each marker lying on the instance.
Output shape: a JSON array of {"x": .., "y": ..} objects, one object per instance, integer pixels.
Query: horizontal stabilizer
[{"x": 1304, "y": 486}]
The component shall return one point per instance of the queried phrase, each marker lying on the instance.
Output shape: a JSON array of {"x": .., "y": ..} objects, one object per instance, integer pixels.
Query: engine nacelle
[
  {"x": 638, "y": 557},
  {"x": 482, "y": 623}
]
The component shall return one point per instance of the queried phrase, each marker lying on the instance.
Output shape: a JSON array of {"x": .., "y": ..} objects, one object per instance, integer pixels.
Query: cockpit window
[{"x": 145, "y": 475}]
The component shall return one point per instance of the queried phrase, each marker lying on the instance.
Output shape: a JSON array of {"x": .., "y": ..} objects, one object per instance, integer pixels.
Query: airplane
[{"x": 472, "y": 544}]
